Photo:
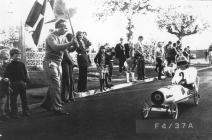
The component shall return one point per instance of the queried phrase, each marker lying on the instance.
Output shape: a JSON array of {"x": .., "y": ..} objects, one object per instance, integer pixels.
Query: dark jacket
[
  {"x": 16, "y": 71},
  {"x": 68, "y": 59},
  {"x": 127, "y": 50},
  {"x": 185, "y": 53},
  {"x": 98, "y": 58},
  {"x": 82, "y": 56},
  {"x": 173, "y": 53},
  {"x": 120, "y": 51}
]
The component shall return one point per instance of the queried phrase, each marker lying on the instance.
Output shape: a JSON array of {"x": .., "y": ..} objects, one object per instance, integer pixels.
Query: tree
[
  {"x": 179, "y": 22},
  {"x": 127, "y": 7},
  {"x": 10, "y": 37}
]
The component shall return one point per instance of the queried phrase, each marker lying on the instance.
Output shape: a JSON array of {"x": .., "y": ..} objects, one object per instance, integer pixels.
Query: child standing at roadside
[
  {"x": 102, "y": 68},
  {"x": 4, "y": 87},
  {"x": 18, "y": 76}
]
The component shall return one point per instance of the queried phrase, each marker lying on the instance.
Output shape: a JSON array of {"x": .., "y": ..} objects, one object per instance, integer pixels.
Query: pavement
[{"x": 119, "y": 82}]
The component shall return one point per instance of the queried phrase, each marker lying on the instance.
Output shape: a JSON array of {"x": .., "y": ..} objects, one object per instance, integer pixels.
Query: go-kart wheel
[
  {"x": 196, "y": 98},
  {"x": 174, "y": 111},
  {"x": 145, "y": 110}
]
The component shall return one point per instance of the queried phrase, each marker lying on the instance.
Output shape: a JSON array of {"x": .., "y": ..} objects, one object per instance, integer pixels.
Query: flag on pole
[
  {"x": 34, "y": 14},
  {"x": 52, "y": 3},
  {"x": 37, "y": 32},
  {"x": 35, "y": 19}
]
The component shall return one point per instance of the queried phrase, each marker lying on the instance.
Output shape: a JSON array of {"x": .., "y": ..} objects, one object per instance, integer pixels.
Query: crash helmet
[{"x": 182, "y": 62}]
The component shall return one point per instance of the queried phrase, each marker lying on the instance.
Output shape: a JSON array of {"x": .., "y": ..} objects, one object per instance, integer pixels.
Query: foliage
[
  {"x": 127, "y": 7},
  {"x": 62, "y": 11},
  {"x": 10, "y": 37},
  {"x": 179, "y": 22}
]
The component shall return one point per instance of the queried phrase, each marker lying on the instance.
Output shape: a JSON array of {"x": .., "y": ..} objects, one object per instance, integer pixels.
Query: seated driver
[{"x": 185, "y": 75}]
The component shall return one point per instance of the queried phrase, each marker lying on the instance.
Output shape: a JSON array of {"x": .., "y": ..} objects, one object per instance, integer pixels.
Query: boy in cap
[{"x": 18, "y": 76}]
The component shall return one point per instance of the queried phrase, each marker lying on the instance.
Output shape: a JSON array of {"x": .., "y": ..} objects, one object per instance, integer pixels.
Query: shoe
[
  {"x": 111, "y": 85},
  {"x": 4, "y": 117},
  {"x": 61, "y": 112},
  {"x": 108, "y": 86},
  {"x": 26, "y": 114},
  {"x": 71, "y": 100},
  {"x": 66, "y": 101},
  {"x": 14, "y": 116},
  {"x": 45, "y": 107}
]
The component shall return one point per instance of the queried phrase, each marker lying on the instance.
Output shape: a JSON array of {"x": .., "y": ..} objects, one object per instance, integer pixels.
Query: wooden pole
[
  {"x": 22, "y": 42},
  {"x": 72, "y": 29}
]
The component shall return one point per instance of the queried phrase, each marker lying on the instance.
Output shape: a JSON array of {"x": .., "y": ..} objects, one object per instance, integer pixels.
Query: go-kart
[{"x": 166, "y": 99}]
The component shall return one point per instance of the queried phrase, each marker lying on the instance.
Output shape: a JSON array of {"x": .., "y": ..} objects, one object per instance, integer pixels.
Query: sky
[{"x": 14, "y": 12}]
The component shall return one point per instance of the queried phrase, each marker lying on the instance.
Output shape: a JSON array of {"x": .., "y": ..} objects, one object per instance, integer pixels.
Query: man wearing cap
[{"x": 56, "y": 44}]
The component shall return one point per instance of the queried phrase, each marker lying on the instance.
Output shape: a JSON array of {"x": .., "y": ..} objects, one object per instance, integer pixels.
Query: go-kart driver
[{"x": 185, "y": 75}]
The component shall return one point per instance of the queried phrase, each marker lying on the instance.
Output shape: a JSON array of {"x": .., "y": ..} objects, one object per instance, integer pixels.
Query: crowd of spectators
[{"x": 58, "y": 65}]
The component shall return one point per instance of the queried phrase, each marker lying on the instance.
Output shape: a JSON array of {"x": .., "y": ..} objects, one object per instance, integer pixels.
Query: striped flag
[
  {"x": 34, "y": 14},
  {"x": 35, "y": 19}
]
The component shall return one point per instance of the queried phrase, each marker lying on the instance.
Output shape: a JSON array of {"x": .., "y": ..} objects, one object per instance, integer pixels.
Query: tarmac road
[{"x": 115, "y": 115}]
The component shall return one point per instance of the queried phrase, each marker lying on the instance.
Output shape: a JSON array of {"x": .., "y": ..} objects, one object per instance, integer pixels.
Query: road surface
[{"x": 115, "y": 115}]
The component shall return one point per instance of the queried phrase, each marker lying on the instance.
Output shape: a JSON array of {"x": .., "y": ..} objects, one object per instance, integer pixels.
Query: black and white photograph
[{"x": 105, "y": 70}]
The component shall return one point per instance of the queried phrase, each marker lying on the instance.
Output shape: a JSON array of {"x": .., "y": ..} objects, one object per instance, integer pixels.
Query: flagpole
[
  {"x": 72, "y": 29},
  {"x": 22, "y": 42}
]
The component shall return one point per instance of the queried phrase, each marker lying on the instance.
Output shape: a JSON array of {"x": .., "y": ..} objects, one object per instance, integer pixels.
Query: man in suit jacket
[
  {"x": 127, "y": 50},
  {"x": 120, "y": 54},
  {"x": 83, "y": 61},
  {"x": 67, "y": 75}
]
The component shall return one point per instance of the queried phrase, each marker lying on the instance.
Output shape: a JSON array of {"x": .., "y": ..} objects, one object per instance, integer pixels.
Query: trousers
[
  {"x": 160, "y": 67},
  {"x": 53, "y": 72},
  {"x": 141, "y": 69},
  {"x": 19, "y": 88},
  {"x": 82, "y": 80},
  {"x": 67, "y": 81}
]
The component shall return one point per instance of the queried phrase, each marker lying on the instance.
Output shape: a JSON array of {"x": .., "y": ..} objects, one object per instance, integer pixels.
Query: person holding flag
[{"x": 56, "y": 44}]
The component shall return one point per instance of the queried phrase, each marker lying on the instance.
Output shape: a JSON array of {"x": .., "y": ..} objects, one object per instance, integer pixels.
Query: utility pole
[{"x": 22, "y": 41}]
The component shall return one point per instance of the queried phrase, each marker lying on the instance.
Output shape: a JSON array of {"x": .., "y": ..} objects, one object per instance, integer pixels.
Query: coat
[{"x": 120, "y": 52}]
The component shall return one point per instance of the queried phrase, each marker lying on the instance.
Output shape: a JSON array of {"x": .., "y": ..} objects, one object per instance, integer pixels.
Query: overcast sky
[{"x": 12, "y": 11}]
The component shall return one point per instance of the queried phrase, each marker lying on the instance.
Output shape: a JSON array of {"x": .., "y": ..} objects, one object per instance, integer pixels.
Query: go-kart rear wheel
[
  {"x": 174, "y": 111},
  {"x": 145, "y": 110}
]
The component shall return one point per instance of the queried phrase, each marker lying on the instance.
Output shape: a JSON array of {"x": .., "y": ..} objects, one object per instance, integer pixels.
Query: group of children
[
  {"x": 13, "y": 79},
  {"x": 104, "y": 59}
]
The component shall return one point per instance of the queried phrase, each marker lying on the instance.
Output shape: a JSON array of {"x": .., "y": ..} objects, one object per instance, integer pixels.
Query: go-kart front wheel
[
  {"x": 145, "y": 110},
  {"x": 174, "y": 111}
]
